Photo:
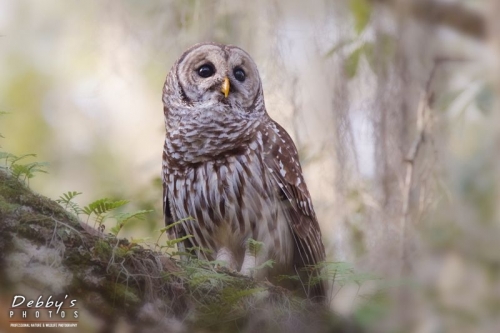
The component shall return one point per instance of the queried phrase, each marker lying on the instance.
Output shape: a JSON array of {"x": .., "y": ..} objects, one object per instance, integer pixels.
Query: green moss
[
  {"x": 5, "y": 206},
  {"x": 15, "y": 192},
  {"x": 77, "y": 257},
  {"x": 10, "y": 188},
  {"x": 102, "y": 249},
  {"x": 124, "y": 294}
]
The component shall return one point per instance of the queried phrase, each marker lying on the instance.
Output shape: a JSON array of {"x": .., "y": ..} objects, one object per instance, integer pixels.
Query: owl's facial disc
[{"x": 215, "y": 74}]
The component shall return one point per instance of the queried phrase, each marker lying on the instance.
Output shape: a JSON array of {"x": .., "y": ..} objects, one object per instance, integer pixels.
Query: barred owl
[{"x": 231, "y": 174}]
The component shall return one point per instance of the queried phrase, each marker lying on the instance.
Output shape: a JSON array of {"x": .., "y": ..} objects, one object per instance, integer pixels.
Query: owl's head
[{"x": 214, "y": 76}]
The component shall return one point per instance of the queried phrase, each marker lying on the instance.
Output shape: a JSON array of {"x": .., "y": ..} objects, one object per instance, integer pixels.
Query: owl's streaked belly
[{"x": 231, "y": 201}]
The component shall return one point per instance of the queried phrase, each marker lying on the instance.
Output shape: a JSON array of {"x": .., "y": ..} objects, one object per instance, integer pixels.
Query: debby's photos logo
[{"x": 49, "y": 312}]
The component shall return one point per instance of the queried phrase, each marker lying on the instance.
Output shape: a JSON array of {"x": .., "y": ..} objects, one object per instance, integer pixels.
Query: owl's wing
[
  {"x": 282, "y": 159},
  {"x": 167, "y": 210}
]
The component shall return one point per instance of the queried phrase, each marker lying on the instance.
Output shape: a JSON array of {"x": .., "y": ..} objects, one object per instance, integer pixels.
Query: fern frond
[
  {"x": 7, "y": 156},
  {"x": 67, "y": 197},
  {"x": 139, "y": 240},
  {"x": 28, "y": 170},
  {"x": 100, "y": 218},
  {"x": 14, "y": 159},
  {"x": 341, "y": 273},
  {"x": 170, "y": 226},
  {"x": 65, "y": 200},
  {"x": 125, "y": 217},
  {"x": 269, "y": 264},
  {"x": 254, "y": 247},
  {"x": 74, "y": 208},
  {"x": 171, "y": 242},
  {"x": 102, "y": 206}
]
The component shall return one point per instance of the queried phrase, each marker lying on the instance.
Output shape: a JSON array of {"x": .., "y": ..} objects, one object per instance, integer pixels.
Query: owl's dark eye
[
  {"x": 206, "y": 70},
  {"x": 239, "y": 74}
]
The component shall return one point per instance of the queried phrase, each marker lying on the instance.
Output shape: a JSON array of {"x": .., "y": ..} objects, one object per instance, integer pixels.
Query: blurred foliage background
[{"x": 392, "y": 104}]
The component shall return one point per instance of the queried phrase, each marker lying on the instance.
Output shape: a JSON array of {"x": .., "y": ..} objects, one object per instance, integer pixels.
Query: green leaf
[
  {"x": 28, "y": 170},
  {"x": 18, "y": 170},
  {"x": 269, "y": 264},
  {"x": 139, "y": 240},
  {"x": 254, "y": 246},
  {"x": 66, "y": 200},
  {"x": 170, "y": 226},
  {"x": 124, "y": 217},
  {"x": 7, "y": 156},
  {"x": 343, "y": 273},
  {"x": 102, "y": 206},
  {"x": 16, "y": 159},
  {"x": 74, "y": 207},
  {"x": 67, "y": 197},
  {"x": 172, "y": 242},
  {"x": 100, "y": 218},
  {"x": 352, "y": 62},
  {"x": 361, "y": 10}
]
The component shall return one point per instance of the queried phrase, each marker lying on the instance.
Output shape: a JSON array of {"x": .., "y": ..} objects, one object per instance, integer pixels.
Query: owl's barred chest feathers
[
  {"x": 209, "y": 136},
  {"x": 232, "y": 199}
]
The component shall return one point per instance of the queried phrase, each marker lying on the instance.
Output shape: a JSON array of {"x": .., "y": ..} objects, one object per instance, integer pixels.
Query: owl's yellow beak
[{"x": 225, "y": 87}]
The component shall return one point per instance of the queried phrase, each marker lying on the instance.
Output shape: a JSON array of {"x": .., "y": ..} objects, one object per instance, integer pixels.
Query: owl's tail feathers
[
  {"x": 317, "y": 292},
  {"x": 309, "y": 266},
  {"x": 309, "y": 256},
  {"x": 312, "y": 283}
]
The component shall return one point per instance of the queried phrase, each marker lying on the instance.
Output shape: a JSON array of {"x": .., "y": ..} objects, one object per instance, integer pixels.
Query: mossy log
[{"x": 46, "y": 251}]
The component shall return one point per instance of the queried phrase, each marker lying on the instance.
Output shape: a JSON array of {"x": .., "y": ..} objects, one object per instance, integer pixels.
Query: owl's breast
[
  {"x": 208, "y": 137},
  {"x": 231, "y": 200}
]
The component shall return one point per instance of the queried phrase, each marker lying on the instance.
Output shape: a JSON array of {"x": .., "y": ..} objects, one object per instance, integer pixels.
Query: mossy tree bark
[{"x": 46, "y": 251}]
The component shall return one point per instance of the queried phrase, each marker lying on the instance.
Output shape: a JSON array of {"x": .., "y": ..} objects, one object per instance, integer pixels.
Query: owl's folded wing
[{"x": 283, "y": 163}]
